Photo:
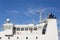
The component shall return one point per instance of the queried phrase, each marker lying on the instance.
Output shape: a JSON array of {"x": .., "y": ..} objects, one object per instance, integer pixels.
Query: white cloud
[
  {"x": 31, "y": 11},
  {"x": 12, "y": 11}
]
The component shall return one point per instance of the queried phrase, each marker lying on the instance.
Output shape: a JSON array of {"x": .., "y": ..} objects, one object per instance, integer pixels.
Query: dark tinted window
[
  {"x": 22, "y": 29},
  {"x": 26, "y": 29},
  {"x": 35, "y": 28},
  {"x": 18, "y": 29}
]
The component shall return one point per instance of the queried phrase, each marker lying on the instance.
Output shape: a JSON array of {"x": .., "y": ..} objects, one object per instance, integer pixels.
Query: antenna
[
  {"x": 40, "y": 14},
  {"x": 40, "y": 17}
]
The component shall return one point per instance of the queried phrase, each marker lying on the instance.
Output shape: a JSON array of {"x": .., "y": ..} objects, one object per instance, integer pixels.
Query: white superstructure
[{"x": 47, "y": 30}]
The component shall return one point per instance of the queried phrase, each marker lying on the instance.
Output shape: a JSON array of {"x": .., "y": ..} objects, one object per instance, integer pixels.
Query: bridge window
[
  {"x": 30, "y": 28},
  {"x": 26, "y": 29},
  {"x": 35, "y": 28},
  {"x": 22, "y": 29},
  {"x": 44, "y": 29},
  {"x": 18, "y": 29}
]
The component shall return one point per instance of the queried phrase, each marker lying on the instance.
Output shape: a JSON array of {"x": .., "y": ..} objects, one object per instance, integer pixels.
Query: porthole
[
  {"x": 26, "y": 37},
  {"x": 8, "y": 37}
]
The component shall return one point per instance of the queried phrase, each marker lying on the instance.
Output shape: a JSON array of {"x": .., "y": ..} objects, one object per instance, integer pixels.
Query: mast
[
  {"x": 40, "y": 14},
  {"x": 40, "y": 17}
]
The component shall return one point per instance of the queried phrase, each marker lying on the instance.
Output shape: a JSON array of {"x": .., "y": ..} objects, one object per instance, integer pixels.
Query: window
[
  {"x": 14, "y": 30},
  {"x": 44, "y": 29},
  {"x": 0, "y": 37},
  {"x": 26, "y": 37},
  {"x": 35, "y": 28},
  {"x": 22, "y": 29},
  {"x": 26, "y": 29},
  {"x": 18, "y": 29},
  {"x": 17, "y": 37},
  {"x": 30, "y": 28},
  {"x": 36, "y": 37},
  {"x": 8, "y": 37}
]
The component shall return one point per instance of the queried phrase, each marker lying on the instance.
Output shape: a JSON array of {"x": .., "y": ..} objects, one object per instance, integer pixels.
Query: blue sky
[{"x": 24, "y": 11}]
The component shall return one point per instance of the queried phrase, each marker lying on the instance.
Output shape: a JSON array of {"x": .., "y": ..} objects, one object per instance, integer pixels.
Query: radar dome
[{"x": 8, "y": 20}]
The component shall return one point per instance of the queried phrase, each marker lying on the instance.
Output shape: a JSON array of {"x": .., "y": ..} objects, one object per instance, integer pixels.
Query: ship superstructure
[{"x": 46, "y": 30}]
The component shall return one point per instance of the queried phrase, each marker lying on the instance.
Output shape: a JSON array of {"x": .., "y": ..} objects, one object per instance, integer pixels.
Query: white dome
[{"x": 8, "y": 20}]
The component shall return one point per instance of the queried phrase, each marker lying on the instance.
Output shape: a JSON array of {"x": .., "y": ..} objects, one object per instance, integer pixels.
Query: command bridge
[{"x": 46, "y": 30}]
